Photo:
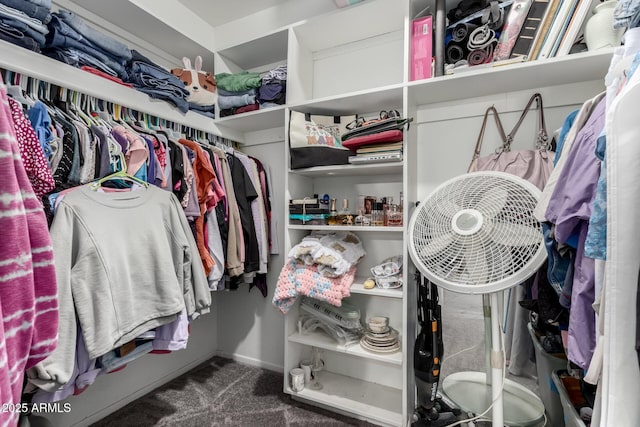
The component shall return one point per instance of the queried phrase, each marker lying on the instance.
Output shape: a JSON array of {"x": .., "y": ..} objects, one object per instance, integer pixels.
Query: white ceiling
[{"x": 218, "y": 12}]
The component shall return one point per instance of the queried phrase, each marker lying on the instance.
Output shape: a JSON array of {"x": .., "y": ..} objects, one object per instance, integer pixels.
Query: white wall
[{"x": 250, "y": 328}]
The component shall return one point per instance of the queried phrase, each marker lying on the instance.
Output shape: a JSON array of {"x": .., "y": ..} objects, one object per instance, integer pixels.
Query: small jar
[{"x": 394, "y": 216}]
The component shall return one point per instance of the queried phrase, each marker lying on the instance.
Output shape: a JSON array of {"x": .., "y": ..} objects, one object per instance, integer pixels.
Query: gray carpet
[{"x": 221, "y": 392}]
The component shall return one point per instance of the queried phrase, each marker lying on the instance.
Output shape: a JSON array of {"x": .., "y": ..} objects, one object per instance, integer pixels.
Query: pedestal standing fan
[{"x": 476, "y": 234}]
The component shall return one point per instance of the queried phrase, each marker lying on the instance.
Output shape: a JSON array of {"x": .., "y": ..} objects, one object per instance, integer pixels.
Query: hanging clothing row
[
  {"x": 145, "y": 222},
  {"x": 573, "y": 210}
]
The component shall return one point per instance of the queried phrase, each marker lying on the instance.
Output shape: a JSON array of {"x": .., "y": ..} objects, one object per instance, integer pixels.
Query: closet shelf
[
  {"x": 254, "y": 120},
  {"x": 579, "y": 67},
  {"x": 324, "y": 341},
  {"x": 358, "y": 102},
  {"x": 267, "y": 49},
  {"x": 357, "y": 287},
  {"x": 347, "y": 228},
  {"x": 361, "y": 398},
  {"x": 49, "y": 70},
  {"x": 391, "y": 168}
]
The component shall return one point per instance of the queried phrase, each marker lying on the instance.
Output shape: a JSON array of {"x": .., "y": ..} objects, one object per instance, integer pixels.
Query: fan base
[{"x": 471, "y": 393}]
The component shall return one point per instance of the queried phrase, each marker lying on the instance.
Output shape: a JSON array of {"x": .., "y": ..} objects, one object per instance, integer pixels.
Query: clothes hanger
[
  {"x": 16, "y": 92},
  {"x": 121, "y": 175}
]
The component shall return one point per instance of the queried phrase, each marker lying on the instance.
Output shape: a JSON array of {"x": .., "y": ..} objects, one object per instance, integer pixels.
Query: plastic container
[
  {"x": 347, "y": 315},
  {"x": 546, "y": 364},
  {"x": 571, "y": 417}
]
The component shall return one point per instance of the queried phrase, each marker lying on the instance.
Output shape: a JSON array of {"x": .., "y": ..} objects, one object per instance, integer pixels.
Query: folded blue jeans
[
  {"x": 42, "y": 14},
  {"x": 44, "y": 3},
  {"x": 24, "y": 29},
  {"x": 144, "y": 68},
  {"x": 56, "y": 39},
  {"x": 78, "y": 58},
  {"x": 226, "y": 102},
  {"x": 181, "y": 104},
  {"x": 25, "y": 42},
  {"x": 96, "y": 37},
  {"x": 10, "y": 12}
]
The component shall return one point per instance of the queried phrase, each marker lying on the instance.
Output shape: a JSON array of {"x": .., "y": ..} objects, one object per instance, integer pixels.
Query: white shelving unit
[{"x": 322, "y": 340}]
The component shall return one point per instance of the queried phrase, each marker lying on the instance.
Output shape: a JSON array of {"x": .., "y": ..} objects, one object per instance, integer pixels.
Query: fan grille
[{"x": 477, "y": 229}]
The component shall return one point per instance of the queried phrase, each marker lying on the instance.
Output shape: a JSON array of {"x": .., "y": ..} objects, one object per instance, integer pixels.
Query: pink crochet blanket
[{"x": 296, "y": 278}]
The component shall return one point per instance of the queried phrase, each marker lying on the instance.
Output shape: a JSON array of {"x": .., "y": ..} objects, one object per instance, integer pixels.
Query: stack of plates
[{"x": 381, "y": 342}]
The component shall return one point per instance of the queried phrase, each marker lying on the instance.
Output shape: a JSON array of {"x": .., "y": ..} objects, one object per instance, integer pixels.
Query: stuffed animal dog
[{"x": 201, "y": 85}]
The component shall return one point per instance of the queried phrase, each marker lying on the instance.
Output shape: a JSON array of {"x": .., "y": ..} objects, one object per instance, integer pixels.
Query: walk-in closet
[{"x": 319, "y": 212}]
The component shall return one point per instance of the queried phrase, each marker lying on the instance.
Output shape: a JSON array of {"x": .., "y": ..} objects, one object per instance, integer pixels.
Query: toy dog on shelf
[{"x": 201, "y": 85}]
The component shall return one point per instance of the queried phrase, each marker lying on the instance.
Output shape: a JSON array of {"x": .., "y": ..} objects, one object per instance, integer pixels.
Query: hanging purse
[{"x": 533, "y": 165}]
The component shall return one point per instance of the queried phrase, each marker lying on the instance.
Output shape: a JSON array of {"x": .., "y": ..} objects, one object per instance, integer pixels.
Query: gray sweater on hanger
[{"x": 126, "y": 262}]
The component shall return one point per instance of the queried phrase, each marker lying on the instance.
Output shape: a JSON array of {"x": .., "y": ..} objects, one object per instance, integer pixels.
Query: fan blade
[
  {"x": 476, "y": 265},
  {"x": 510, "y": 234},
  {"x": 447, "y": 208},
  {"x": 436, "y": 245},
  {"x": 492, "y": 202}
]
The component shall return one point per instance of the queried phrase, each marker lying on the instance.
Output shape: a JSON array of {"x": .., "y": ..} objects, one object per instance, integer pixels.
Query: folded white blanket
[{"x": 334, "y": 252}]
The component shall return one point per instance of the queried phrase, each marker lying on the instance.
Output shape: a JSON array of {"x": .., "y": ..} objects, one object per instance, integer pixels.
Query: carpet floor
[{"x": 222, "y": 392}]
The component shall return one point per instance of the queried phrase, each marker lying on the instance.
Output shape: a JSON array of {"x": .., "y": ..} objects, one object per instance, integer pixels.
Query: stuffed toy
[{"x": 201, "y": 85}]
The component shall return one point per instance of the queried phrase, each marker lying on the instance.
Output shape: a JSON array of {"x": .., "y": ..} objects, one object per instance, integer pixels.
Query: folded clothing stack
[
  {"x": 24, "y": 23},
  {"x": 157, "y": 82},
  {"x": 66, "y": 37},
  {"x": 376, "y": 140},
  {"x": 73, "y": 41},
  {"x": 247, "y": 91},
  {"x": 273, "y": 91}
]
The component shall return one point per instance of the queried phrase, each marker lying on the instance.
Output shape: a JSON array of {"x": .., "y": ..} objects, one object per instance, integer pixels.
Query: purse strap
[
  {"x": 542, "y": 139},
  {"x": 503, "y": 136}
]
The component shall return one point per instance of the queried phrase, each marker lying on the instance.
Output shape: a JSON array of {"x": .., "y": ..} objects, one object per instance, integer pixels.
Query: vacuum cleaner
[{"x": 433, "y": 410}]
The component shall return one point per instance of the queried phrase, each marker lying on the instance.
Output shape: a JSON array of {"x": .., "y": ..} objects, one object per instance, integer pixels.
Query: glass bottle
[
  {"x": 388, "y": 201},
  {"x": 377, "y": 214},
  {"x": 333, "y": 214},
  {"x": 344, "y": 216}
]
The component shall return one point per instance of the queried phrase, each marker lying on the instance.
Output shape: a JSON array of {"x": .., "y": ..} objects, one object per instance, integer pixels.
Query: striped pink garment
[{"x": 28, "y": 292}]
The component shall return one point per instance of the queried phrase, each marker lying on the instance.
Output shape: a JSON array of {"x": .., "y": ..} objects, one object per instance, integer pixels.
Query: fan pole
[{"x": 497, "y": 363}]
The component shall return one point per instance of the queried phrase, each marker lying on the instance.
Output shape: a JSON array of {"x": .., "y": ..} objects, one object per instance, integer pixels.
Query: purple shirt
[{"x": 570, "y": 209}]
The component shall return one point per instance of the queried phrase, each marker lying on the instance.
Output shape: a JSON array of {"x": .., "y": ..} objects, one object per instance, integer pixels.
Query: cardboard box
[{"x": 421, "y": 48}]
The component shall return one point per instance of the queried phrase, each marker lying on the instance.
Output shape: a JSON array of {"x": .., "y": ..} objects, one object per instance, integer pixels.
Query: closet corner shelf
[
  {"x": 351, "y": 170},
  {"x": 247, "y": 54},
  {"x": 346, "y": 227},
  {"x": 322, "y": 340},
  {"x": 362, "y": 398},
  {"x": 41, "y": 67},
  {"x": 357, "y": 287},
  {"x": 254, "y": 120},
  {"x": 579, "y": 67},
  {"x": 358, "y": 102}
]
